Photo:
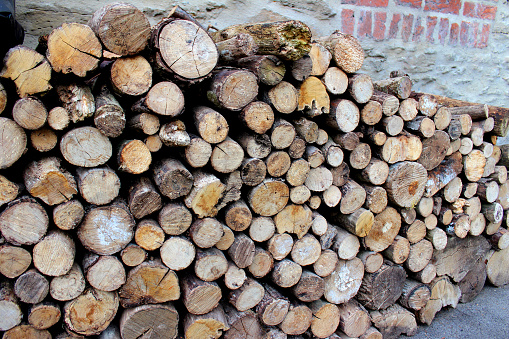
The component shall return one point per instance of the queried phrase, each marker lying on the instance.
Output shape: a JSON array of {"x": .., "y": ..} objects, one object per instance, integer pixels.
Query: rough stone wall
[{"x": 456, "y": 48}]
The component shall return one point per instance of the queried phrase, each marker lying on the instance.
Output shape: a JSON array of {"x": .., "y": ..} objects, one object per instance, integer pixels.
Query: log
[
  {"x": 347, "y": 141},
  {"x": 109, "y": 116},
  {"x": 371, "y": 113},
  {"x": 133, "y": 255},
  {"x": 497, "y": 268},
  {"x": 262, "y": 264},
  {"x": 234, "y": 277},
  {"x": 335, "y": 80},
  {"x": 382, "y": 288},
  {"x": 149, "y": 235},
  {"x": 297, "y": 320},
  {"x": 146, "y": 123},
  {"x": 286, "y": 273},
  {"x": 26, "y": 331},
  {"x": 247, "y": 296},
  {"x": 438, "y": 238},
  {"x": 172, "y": 178},
  {"x": 434, "y": 150},
  {"x": 232, "y": 89},
  {"x": 199, "y": 297},
  {"x": 13, "y": 142},
  {"x": 104, "y": 273},
  {"x": 344, "y": 115},
  {"x": 151, "y": 282},
  {"x": 177, "y": 253},
  {"x": 472, "y": 284},
  {"x": 206, "y": 232},
  {"x": 23, "y": 222},
  {"x": 261, "y": 229},
  {"x": 408, "y": 109},
  {"x": 354, "y": 320},
  {"x": 360, "y": 156},
  {"x": 360, "y": 88},
  {"x": 406, "y": 183},
  {"x": 353, "y": 197},
  {"x": 158, "y": 320},
  {"x": 208, "y": 325},
  {"x": 393, "y": 125},
  {"x": 344, "y": 282},
  {"x": 419, "y": 256},
  {"x": 313, "y": 99},
  {"x": 78, "y": 100},
  {"x": 257, "y": 116},
  {"x": 414, "y": 232},
  {"x": 372, "y": 260},
  {"x": 29, "y": 113},
  {"x": 415, "y": 295},
  {"x": 175, "y": 218},
  {"x": 278, "y": 163},
  {"x": 73, "y": 48},
  {"x": 268, "y": 198},
  {"x": 399, "y": 250},
  {"x": 320, "y": 59},
  {"x": 31, "y": 287},
  {"x": 44, "y": 315},
  {"x": 242, "y": 324},
  {"x": 487, "y": 190},
  {"x": 441, "y": 175},
  {"x": 394, "y": 321},
  {"x": 68, "y": 286},
  {"x": 58, "y": 118},
  {"x": 134, "y": 157},
  {"x": 309, "y": 288},
  {"x": 183, "y": 49},
  {"x": 289, "y": 40},
  {"x": 54, "y": 254},
  {"x": 239, "y": 46},
  {"x": 86, "y": 147},
  {"x": 143, "y": 198},
  {"x": 400, "y": 87},
  {"x": 14, "y": 260},
  {"x": 131, "y": 76},
  {"x": 390, "y": 103},
  {"x": 346, "y": 51},
  {"x": 43, "y": 140},
  {"x": 443, "y": 293},
  {"x": 242, "y": 250},
  {"x": 326, "y": 263},
  {"x": 326, "y": 318},
  {"x": 205, "y": 194},
  {"x": 98, "y": 186},
  {"x": 9, "y": 307},
  {"x": 49, "y": 181}
]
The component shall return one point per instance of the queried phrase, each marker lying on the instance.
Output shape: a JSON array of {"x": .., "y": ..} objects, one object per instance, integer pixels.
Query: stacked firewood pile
[{"x": 168, "y": 181}]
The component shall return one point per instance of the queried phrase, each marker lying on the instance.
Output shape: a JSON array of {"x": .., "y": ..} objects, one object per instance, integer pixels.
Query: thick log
[
  {"x": 68, "y": 286},
  {"x": 326, "y": 318},
  {"x": 438, "y": 238},
  {"x": 44, "y": 315},
  {"x": 344, "y": 282},
  {"x": 496, "y": 268},
  {"x": 268, "y": 198},
  {"x": 472, "y": 284},
  {"x": 159, "y": 320},
  {"x": 360, "y": 88},
  {"x": 232, "y": 89},
  {"x": 54, "y": 254},
  {"x": 434, "y": 150},
  {"x": 313, "y": 99},
  {"x": 415, "y": 295},
  {"x": 297, "y": 320},
  {"x": 98, "y": 186},
  {"x": 104, "y": 273},
  {"x": 12, "y": 143},
  {"x": 406, "y": 183},
  {"x": 280, "y": 245},
  {"x": 175, "y": 218},
  {"x": 371, "y": 113},
  {"x": 177, "y": 253},
  {"x": 29, "y": 113},
  {"x": 309, "y": 288},
  {"x": 31, "y": 287},
  {"x": 399, "y": 86},
  {"x": 85, "y": 147},
  {"x": 143, "y": 198},
  {"x": 394, "y": 321},
  {"x": 131, "y": 76},
  {"x": 261, "y": 229},
  {"x": 346, "y": 51}
]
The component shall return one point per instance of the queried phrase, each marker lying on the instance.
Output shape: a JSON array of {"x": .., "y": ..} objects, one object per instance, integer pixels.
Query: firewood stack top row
[{"x": 176, "y": 182}]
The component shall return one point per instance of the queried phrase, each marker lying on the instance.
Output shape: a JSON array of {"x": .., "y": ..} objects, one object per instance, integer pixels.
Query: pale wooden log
[
  {"x": 158, "y": 320},
  {"x": 399, "y": 250},
  {"x": 113, "y": 25},
  {"x": 360, "y": 88},
  {"x": 145, "y": 123},
  {"x": 44, "y": 315},
  {"x": 360, "y": 156},
  {"x": 314, "y": 202},
  {"x": 319, "y": 225},
  {"x": 98, "y": 186},
  {"x": 359, "y": 222},
  {"x": 392, "y": 150},
  {"x": 472, "y": 284},
  {"x": 29, "y": 113},
  {"x": 239, "y": 46},
  {"x": 414, "y": 232},
  {"x": 503, "y": 196},
  {"x": 443, "y": 293},
  {"x": 131, "y": 76},
  {"x": 335, "y": 80},
  {"x": 296, "y": 219},
  {"x": 175, "y": 218},
  {"x": 344, "y": 282},
  {"x": 286, "y": 273},
  {"x": 174, "y": 134},
  {"x": 300, "y": 194},
  {"x": 384, "y": 229},
  {"x": 487, "y": 149},
  {"x": 23, "y": 222},
  {"x": 320, "y": 58},
  {"x": 492, "y": 227},
  {"x": 408, "y": 215},
  {"x": 14, "y": 260},
  {"x": 282, "y": 134},
  {"x": 205, "y": 194},
  {"x": 371, "y": 333},
  {"x": 242, "y": 250},
  {"x": 261, "y": 229},
  {"x": 234, "y": 276},
  {"x": 322, "y": 137},
  {"x": 398, "y": 86},
  {"x": 149, "y": 235},
  {"x": 346, "y": 51},
  {"x": 54, "y": 254},
  {"x": 68, "y": 286},
  {"x": 284, "y": 97},
  {"x": 419, "y": 256},
  {"x": 247, "y": 296},
  {"x": 431, "y": 221},
  {"x": 206, "y": 232},
  {"x": 104, "y": 273},
  {"x": 426, "y": 275},
  {"x": 353, "y": 319},
  {"x": 442, "y": 118},
  {"x": 109, "y": 117},
  {"x": 242, "y": 324},
  {"x": 492, "y": 212},
  {"x": 344, "y": 115},
  {"x": 452, "y": 191},
  {"x": 440, "y": 176},
  {"x": 326, "y": 318},
  {"x": 469, "y": 190},
  {"x": 500, "y": 239},
  {"x": 43, "y": 140},
  {"x": 29, "y": 70},
  {"x": 86, "y": 147},
  {"x": 208, "y": 325},
  {"x": 466, "y": 146},
  {"x": 331, "y": 196},
  {"x": 487, "y": 190},
  {"x": 268, "y": 198},
  {"x": 340, "y": 175},
  {"x": 151, "y": 282},
  {"x": 465, "y": 122},
  {"x": 114, "y": 220},
  {"x": 8, "y": 190},
  {"x": 153, "y": 143},
  {"x": 445, "y": 216},
  {"x": 437, "y": 237},
  {"x": 497, "y": 268},
  {"x": 345, "y": 244},
  {"x": 477, "y": 225},
  {"x": 278, "y": 163},
  {"x": 394, "y": 321},
  {"x": 78, "y": 100},
  {"x": 372, "y": 260},
  {"x": 143, "y": 198},
  {"x": 26, "y": 331},
  {"x": 376, "y": 172},
  {"x": 58, "y": 118},
  {"x": 313, "y": 99},
  {"x": 306, "y": 250},
  {"x": 326, "y": 263},
  {"x": 49, "y": 181},
  {"x": 408, "y": 109},
  {"x": 257, "y": 116},
  {"x": 476, "y": 134},
  {"x": 164, "y": 98},
  {"x": 423, "y": 126},
  {"x": 31, "y": 287},
  {"x": 347, "y": 141},
  {"x": 172, "y": 178},
  {"x": 262, "y": 264},
  {"x": 210, "y": 264},
  {"x": 499, "y": 174},
  {"x": 73, "y": 48},
  {"x": 297, "y": 320},
  {"x": 333, "y": 154},
  {"x": 233, "y": 89},
  {"x": 211, "y": 125},
  {"x": 314, "y": 156},
  {"x": 371, "y": 113},
  {"x": 376, "y": 198},
  {"x": 9, "y": 307},
  {"x": 353, "y": 197},
  {"x": 177, "y": 253},
  {"x": 415, "y": 295},
  {"x": 390, "y": 103},
  {"x": 427, "y": 104}
]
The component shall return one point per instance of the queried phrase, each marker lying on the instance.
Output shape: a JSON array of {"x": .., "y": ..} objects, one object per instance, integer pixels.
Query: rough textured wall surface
[{"x": 456, "y": 48}]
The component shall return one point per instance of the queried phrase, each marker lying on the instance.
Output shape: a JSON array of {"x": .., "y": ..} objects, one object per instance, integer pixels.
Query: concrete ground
[{"x": 485, "y": 317}]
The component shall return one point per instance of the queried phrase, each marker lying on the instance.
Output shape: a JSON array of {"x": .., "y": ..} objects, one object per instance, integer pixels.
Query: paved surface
[{"x": 486, "y": 317}]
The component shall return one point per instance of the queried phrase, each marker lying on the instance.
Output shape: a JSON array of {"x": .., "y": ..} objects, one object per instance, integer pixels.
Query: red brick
[
  {"x": 453, "y": 36},
  {"x": 394, "y": 28},
  {"x": 379, "y": 27},
  {"x": 479, "y": 11},
  {"x": 483, "y": 39},
  {"x": 347, "y": 21},
  {"x": 364, "y": 25},
  {"x": 409, "y": 3},
  {"x": 443, "y": 6},
  {"x": 366, "y": 3},
  {"x": 468, "y": 33},
  {"x": 443, "y": 29},
  {"x": 431, "y": 23},
  {"x": 406, "y": 29},
  {"x": 418, "y": 30}
]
